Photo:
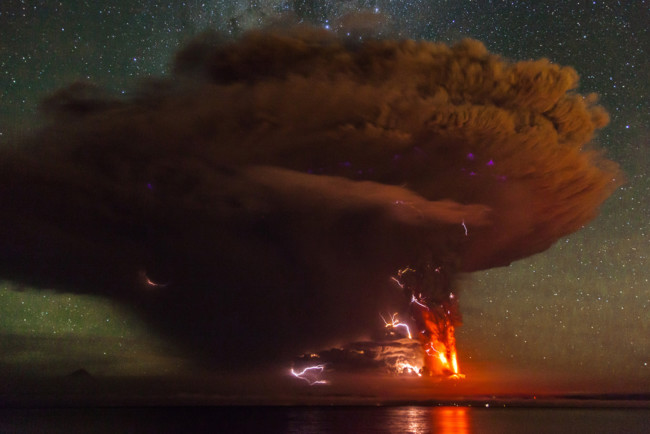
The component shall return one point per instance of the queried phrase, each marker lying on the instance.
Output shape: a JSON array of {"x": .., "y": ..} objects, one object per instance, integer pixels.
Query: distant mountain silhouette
[{"x": 80, "y": 375}]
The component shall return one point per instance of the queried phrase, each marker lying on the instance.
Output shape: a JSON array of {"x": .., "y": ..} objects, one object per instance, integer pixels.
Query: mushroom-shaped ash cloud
[{"x": 257, "y": 201}]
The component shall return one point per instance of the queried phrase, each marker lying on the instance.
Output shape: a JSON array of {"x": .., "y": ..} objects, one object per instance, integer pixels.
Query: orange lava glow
[
  {"x": 439, "y": 344},
  {"x": 435, "y": 320}
]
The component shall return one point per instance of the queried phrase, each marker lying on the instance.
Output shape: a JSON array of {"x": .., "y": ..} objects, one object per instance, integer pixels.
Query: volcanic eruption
[{"x": 256, "y": 202}]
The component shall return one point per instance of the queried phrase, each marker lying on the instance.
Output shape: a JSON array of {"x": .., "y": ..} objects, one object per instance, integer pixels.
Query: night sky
[{"x": 575, "y": 317}]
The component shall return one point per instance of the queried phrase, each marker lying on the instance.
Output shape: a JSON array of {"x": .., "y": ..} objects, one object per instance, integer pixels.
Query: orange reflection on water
[
  {"x": 420, "y": 420},
  {"x": 450, "y": 420}
]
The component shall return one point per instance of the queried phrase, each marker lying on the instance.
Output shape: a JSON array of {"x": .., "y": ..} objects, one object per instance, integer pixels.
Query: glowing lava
[
  {"x": 435, "y": 322},
  {"x": 437, "y": 339}
]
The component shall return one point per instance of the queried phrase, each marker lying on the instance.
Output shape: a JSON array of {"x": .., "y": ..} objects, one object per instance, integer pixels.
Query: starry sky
[{"x": 576, "y": 316}]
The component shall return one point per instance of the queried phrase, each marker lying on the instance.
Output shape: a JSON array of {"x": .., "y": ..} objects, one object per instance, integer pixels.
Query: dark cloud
[{"x": 255, "y": 204}]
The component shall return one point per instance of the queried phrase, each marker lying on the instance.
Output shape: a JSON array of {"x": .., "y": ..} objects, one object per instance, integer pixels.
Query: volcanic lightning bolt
[
  {"x": 146, "y": 280},
  {"x": 394, "y": 323},
  {"x": 310, "y": 374}
]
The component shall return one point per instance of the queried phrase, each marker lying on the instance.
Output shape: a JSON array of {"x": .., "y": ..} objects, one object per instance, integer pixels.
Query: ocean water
[{"x": 313, "y": 420}]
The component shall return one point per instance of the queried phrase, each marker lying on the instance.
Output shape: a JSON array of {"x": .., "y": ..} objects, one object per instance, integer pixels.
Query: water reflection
[
  {"x": 450, "y": 420},
  {"x": 440, "y": 420},
  {"x": 326, "y": 420},
  {"x": 415, "y": 420}
]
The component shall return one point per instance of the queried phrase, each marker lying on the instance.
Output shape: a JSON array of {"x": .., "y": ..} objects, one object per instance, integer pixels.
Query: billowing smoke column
[{"x": 257, "y": 202}]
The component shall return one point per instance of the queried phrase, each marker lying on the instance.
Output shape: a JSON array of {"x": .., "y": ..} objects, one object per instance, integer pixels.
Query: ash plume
[{"x": 255, "y": 203}]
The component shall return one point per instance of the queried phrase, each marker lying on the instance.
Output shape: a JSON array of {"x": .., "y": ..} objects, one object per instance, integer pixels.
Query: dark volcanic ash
[{"x": 255, "y": 203}]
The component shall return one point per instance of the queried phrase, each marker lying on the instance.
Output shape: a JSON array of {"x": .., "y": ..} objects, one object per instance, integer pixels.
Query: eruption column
[{"x": 435, "y": 319}]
